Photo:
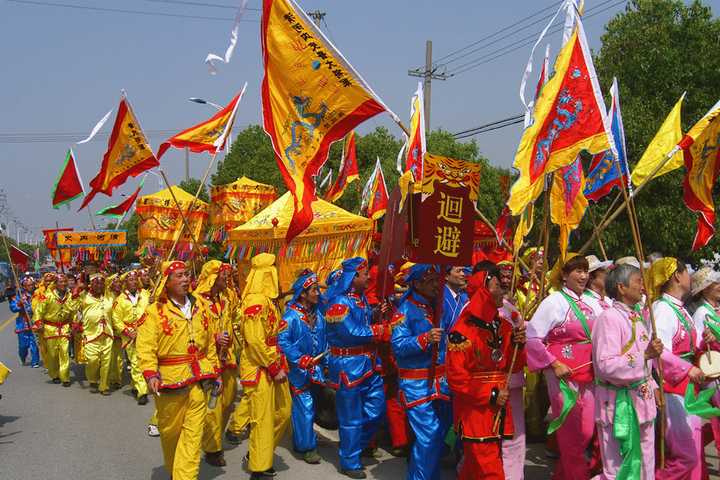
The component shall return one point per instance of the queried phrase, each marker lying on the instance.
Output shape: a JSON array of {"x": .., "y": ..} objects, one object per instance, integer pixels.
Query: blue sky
[{"x": 64, "y": 68}]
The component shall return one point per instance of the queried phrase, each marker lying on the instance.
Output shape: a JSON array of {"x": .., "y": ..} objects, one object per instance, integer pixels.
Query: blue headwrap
[
  {"x": 415, "y": 273},
  {"x": 343, "y": 283},
  {"x": 306, "y": 280}
]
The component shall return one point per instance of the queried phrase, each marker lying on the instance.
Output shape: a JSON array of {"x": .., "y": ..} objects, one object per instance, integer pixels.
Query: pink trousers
[
  {"x": 513, "y": 451},
  {"x": 610, "y": 451},
  {"x": 683, "y": 443},
  {"x": 575, "y": 435}
]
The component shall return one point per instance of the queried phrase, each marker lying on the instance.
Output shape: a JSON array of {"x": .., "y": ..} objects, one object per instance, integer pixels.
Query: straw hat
[
  {"x": 702, "y": 279},
  {"x": 595, "y": 263}
]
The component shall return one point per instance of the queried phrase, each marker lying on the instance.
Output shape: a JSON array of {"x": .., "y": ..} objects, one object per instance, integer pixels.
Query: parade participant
[
  {"x": 95, "y": 309},
  {"x": 625, "y": 390},
  {"x": 21, "y": 303},
  {"x": 528, "y": 290},
  {"x": 454, "y": 296},
  {"x": 513, "y": 450},
  {"x": 146, "y": 282},
  {"x": 706, "y": 295},
  {"x": 594, "y": 295},
  {"x": 263, "y": 370},
  {"x": 53, "y": 318},
  {"x": 670, "y": 282},
  {"x": 480, "y": 350},
  {"x": 559, "y": 345},
  {"x": 214, "y": 306},
  {"x": 177, "y": 356},
  {"x": 360, "y": 399},
  {"x": 113, "y": 288},
  {"x": 303, "y": 342},
  {"x": 417, "y": 339},
  {"x": 127, "y": 313},
  {"x": 38, "y": 297}
]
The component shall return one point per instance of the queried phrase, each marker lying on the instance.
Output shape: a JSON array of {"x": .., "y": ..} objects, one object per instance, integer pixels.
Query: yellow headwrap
[
  {"x": 529, "y": 253},
  {"x": 209, "y": 274},
  {"x": 263, "y": 276},
  {"x": 658, "y": 275},
  {"x": 555, "y": 277}
]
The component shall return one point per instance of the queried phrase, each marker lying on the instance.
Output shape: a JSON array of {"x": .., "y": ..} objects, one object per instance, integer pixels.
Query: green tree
[
  {"x": 191, "y": 186},
  {"x": 658, "y": 49}
]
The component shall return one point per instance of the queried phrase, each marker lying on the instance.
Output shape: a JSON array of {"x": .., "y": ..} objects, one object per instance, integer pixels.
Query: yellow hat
[
  {"x": 209, "y": 273},
  {"x": 661, "y": 271},
  {"x": 263, "y": 276},
  {"x": 165, "y": 270}
]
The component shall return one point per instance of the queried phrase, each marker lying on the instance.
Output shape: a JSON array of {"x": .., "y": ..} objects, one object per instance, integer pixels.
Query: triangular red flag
[
  {"x": 19, "y": 257},
  {"x": 68, "y": 186},
  {"x": 120, "y": 209}
]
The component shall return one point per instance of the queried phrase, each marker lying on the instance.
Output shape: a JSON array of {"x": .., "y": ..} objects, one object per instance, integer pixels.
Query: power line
[
  {"x": 504, "y": 29},
  {"x": 202, "y": 4},
  {"x": 490, "y": 129},
  {"x": 487, "y": 58},
  {"x": 509, "y": 119},
  {"x": 72, "y": 137},
  {"x": 132, "y": 12}
]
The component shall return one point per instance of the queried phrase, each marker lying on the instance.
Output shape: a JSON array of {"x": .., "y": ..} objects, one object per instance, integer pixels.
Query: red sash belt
[
  {"x": 180, "y": 359},
  {"x": 350, "y": 351},
  {"x": 421, "y": 373},
  {"x": 55, "y": 324},
  {"x": 489, "y": 377},
  {"x": 271, "y": 341}
]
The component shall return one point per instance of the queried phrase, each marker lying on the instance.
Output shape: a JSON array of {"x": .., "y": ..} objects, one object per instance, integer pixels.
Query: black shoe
[
  {"x": 134, "y": 391},
  {"x": 66, "y": 384},
  {"x": 270, "y": 472},
  {"x": 115, "y": 386},
  {"x": 232, "y": 438},
  {"x": 216, "y": 459},
  {"x": 354, "y": 473},
  {"x": 56, "y": 381},
  {"x": 94, "y": 388},
  {"x": 105, "y": 393},
  {"x": 142, "y": 400},
  {"x": 370, "y": 452}
]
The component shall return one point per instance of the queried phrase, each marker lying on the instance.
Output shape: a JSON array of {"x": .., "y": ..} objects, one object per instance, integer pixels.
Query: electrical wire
[
  {"x": 487, "y": 58},
  {"x": 202, "y": 4},
  {"x": 133, "y": 12},
  {"x": 490, "y": 127},
  {"x": 72, "y": 137}
]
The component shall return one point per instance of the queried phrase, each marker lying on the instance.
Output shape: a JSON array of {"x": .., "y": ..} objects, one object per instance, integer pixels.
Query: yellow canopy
[
  {"x": 160, "y": 218},
  {"x": 334, "y": 235},
  {"x": 236, "y": 203}
]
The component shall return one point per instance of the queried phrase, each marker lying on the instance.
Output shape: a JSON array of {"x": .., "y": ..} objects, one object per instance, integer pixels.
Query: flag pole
[
  {"x": 14, "y": 273},
  {"x": 625, "y": 203},
  {"x": 122, "y": 219},
  {"x": 599, "y": 238}
]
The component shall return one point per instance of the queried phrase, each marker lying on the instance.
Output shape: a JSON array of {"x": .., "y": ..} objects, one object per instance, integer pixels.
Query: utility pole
[
  {"x": 187, "y": 164},
  {"x": 430, "y": 73},
  {"x": 317, "y": 16}
]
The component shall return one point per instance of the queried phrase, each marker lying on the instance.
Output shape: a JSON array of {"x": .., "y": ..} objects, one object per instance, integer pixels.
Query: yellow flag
[
  {"x": 664, "y": 141},
  {"x": 567, "y": 202},
  {"x": 524, "y": 226}
]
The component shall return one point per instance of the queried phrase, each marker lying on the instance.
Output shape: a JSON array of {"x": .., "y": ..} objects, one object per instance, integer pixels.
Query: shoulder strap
[
  {"x": 683, "y": 321},
  {"x": 578, "y": 313}
]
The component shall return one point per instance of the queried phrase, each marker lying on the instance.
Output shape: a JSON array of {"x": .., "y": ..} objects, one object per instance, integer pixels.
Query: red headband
[{"x": 176, "y": 265}]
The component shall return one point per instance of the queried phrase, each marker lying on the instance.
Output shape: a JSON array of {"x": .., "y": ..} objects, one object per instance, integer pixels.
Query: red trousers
[
  {"x": 396, "y": 417},
  {"x": 481, "y": 460}
]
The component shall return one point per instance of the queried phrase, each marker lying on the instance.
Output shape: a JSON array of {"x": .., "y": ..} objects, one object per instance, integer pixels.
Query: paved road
[{"x": 47, "y": 431}]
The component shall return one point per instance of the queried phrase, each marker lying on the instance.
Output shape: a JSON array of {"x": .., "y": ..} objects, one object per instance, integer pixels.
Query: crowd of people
[{"x": 458, "y": 366}]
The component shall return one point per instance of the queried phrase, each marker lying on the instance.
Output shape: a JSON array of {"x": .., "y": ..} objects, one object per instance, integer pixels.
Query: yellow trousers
[
  {"x": 240, "y": 417},
  {"x": 79, "y": 347},
  {"x": 270, "y": 405},
  {"x": 136, "y": 376},
  {"x": 42, "y": 347},
  {"x": 181, "y": 420},
  {"x": 115, "y": 376},
  {"x": 97, "y": 361},
  {"x": 217, "y": 418},
  {"x": 58, "y": 358},
  {"x": 153, "y": 419}
]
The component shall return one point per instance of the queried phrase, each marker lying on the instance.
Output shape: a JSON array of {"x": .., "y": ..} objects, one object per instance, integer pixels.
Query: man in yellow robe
[
  {"x": 127, "y": 315},
  {"x": 214, "y": 304},
  {"x": 37, "y": 298},
  {"x": 53, "y": 318},
  {"x": 177, "y": 356},
  {"x": 112, "y": 291},
  {"x": 263, "y": 369},
  {"x": 97, "y": 334}
]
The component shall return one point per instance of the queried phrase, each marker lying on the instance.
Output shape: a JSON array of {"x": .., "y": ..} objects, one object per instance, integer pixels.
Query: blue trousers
[
  {"x": 430, "y": 422},
  {"x": 359, "y": 411},
  {"x": 302, "y": 418},
  {"x": 26, "y": 343}
]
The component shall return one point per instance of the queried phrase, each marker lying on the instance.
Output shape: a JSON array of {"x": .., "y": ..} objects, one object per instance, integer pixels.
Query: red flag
[
  {"x": 120, "y": 209},
  {"x": 68, "y": 186},
  {"x": 348, "y": 172},
  {"x": 375, "y": 196},
  {"x": 128, "y": 154},
  {"x": 19, "y": 257},
  {"x": 503, "y": 227}
]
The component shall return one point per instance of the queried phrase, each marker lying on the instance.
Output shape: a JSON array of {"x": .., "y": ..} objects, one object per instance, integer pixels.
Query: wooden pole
[
  {"x": 625, "y": 203},
  {"x": 599, "y": 238}
]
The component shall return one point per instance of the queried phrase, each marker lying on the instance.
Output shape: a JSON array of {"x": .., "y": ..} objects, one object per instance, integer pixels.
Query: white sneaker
[{"x": 153, "y": 431}]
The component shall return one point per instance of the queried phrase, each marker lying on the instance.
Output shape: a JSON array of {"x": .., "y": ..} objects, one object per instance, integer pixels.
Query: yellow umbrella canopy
[
  {"x": 160, "y": 219},
  {"x": 334, "y": 235},
  {"x": 233, "y": 204}
]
